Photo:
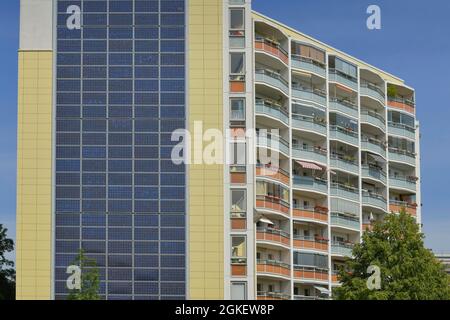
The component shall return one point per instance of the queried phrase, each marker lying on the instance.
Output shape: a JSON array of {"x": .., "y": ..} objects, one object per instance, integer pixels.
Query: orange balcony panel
[
  {"x": 334, "y": 278},
  {"x": 409, "y": 209},
  {"x": 311, "y": 275},
  {"x": 271, "y": 49},
  {"x": 272, "y": 204},
  {"x": 237, "y": 86},
  {"x": 269, "y": 298},
  {"x": 277, "y": 270},
  {"x": 265, "y": 236},
  {"x": 238, "y": 177},
  {"x": 320, "y": 216},
  {"x": 312, "y": 245},
  {"x": 238, "y": 270},
  {"x": 401, "y": 106},
  {"x": 237, "y": 132},
  {"x": 273, "y": 174},
  {"x": 238, "y": 224}
]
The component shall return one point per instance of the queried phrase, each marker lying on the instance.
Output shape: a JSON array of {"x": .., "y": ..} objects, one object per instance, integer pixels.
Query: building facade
[
  {"x": 103, "y": 84},
  {"x": 445, "y": 260}
]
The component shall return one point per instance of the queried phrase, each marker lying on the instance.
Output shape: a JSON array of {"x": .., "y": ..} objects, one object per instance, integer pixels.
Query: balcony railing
[
  {"x": 309, "y": 153},
  {"x": 273, "y": 235},
  {"x": 402, "y": 183},
  {"x": 310, "y": 243},
  {"x": 310, "y": 273},
  {"x": 397, "y": 206},
  {"x": 373, "y": 172},
  {"x": 314, "y": 124},
  {"x": 308, "y": 64},
  {"x": 272, "y": 203},
  {"x": 340, "y": 220},
  {"x": 300, "y": 297},
  {"x": 343, "y": 134},
  {"x": 348, "y": 192},
  {"x": 273, "y": 141},
  {"x": 342, "y": 78},
  {"x": 342, "y": 248},
  {"x": 311, "y": 94},
  {"x": 374, "y": 200},
  {"x": 272, "y": 78},
  {"x": 318, "y": 214},
  {"x": 272, "y": 48},
  {"x": 272, "y": 173},
  {"x": 374, "y": 119},
  {"x": 373, "y": 145},
  {"x": 274, "y": 267},
  {"x": 402, "y": 130},
  {"x": 400, "y": 155},
  {"x": 266, "y": 295},
  {"x": 270, "y": 109},
  {"x": 313, "y": 184},
  {"x": 344, "y": 106},
  {"x": 402, "y": 104},
  {"x": 341, "y": 163},
  {"x": 373, "y": 91}
]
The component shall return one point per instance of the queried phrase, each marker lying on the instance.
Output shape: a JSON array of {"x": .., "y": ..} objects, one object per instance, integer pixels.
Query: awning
[
  {"x": 309, "y": 165},
  {"x": 322, "y": 290},
  {"x": 265, "y": 220}
]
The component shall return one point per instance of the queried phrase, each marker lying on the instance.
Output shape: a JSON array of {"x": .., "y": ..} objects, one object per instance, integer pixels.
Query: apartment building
[{"x": 102, "y": 86}]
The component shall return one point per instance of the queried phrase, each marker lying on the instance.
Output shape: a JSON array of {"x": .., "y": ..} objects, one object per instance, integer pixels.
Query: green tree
[
  {"x": 90, "y": 279},
  {"x": 7, "y": 272},
  {"x": 408, "y": 271}
]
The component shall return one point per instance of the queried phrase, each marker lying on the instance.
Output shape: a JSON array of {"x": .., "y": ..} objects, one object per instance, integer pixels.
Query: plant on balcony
[
  {"x": 392, "y": 91},
  {"x": 408, "y": 270}
]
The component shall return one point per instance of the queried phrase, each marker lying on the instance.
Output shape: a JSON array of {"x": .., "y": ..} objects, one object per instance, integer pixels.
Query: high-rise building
[{"x": 103, "y": 84}]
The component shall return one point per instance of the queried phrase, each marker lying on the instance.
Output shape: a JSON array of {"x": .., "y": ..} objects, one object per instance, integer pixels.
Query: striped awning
[{"x": 309, "y": 165}]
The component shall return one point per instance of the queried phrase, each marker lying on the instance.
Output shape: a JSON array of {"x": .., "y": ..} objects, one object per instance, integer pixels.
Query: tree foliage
[
  {"x": 409, "y": 271},
  {"x": 90, "y": 279},
  {"x": 7, "y": 272}
]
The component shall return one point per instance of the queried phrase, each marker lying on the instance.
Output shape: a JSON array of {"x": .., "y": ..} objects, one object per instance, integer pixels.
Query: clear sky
[{"x": 414, "y": 43}]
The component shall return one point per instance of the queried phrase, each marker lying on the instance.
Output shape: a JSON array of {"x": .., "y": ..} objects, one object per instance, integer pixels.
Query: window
[
  {"x": 238, "y": 153},
  {"x": 238, "y": 250},
  {"x": 238, "y": 291},
  {"x": 237, "y": 109},
  {"x": 237, "y": 63},
  {"x": 236, "y": 19},
  {"x": 238, "y": 202}
]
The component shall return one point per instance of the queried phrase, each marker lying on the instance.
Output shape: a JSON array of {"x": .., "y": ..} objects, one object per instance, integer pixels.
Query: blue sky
[{"x": 413, "y": 43}]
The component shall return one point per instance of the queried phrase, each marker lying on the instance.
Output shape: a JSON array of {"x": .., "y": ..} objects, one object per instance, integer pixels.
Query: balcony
[
  {"x": 310, "y": 243},
  {"x": 316, "y": 214},
  {"x": 374, "y": 173},
  {"x": 272, "y": 173},
  {"x": 373, "y": 91},
  {"x": 274, "y": 236},
  {"x": 310, "y": 273},
  {"x": 266, "y": 295},
  {"x": 374, "y": 119},
  {"x": 341, "y": 248},
  {"x": 343, "y": 134},
  {"x": 340, "y": 77},
  {"x": 310, "y": 298},
  {"x": 343, "y": 191},
  {"x": 273, "y": 267},
  {"x": 316, "y": 125},
  {"x": 265, "y": 107},
  {"x": 345, "y": 106},
  {"x": 312, "y": 184},
  {"x": 335, "y": 277},
  {"x": 272, "y": 204},
  {"x": 314, "y": 154},
  {"x": 345, "y": 221},
  {"x": 399, "y": 129},
  {"x": 344, "y": 164},
  {"x": 403, "y": 156},
  {"x": 310, "y": 94},
  {"x": 402, "y": 104},
  {"x": 272, "y": 48},
  {"x": 272, "y": 79},
  {"x": 373, "y": 145},
  {"x": 308, "y": 64},
  {"x": 374, "y": 200},
  {"x": 273, "y": 142},
  {"x": 397, "y": 206},
  {"x": 405, "y": 183}
]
